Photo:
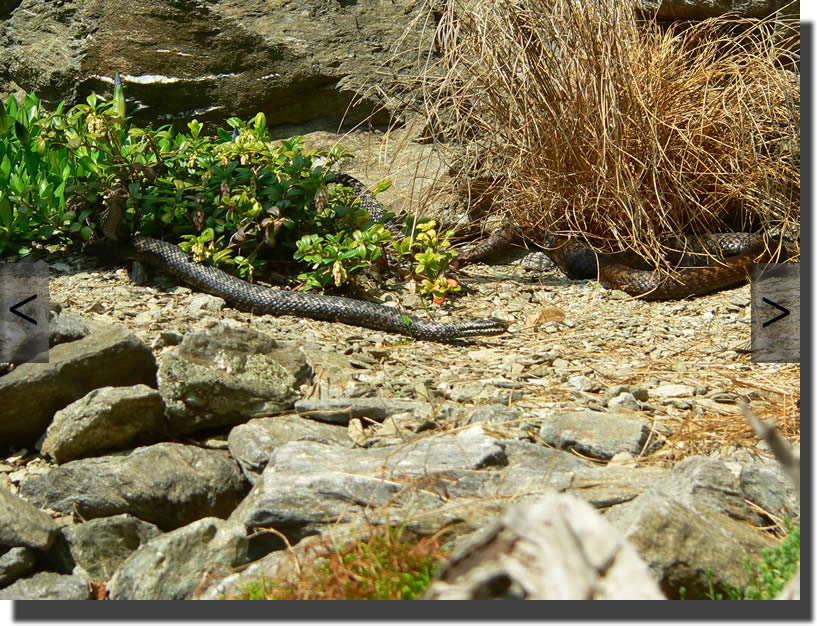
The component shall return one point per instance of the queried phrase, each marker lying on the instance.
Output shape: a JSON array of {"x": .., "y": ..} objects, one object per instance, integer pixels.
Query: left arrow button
[{"x": 14, "y": 308}]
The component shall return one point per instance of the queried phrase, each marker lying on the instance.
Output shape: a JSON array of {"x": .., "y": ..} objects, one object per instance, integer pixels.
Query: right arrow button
[{"x": 779, "y": 307}]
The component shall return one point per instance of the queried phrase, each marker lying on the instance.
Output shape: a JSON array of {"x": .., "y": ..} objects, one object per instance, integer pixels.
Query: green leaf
[
  {"x": 22, "y": 134},
  {"x": 259, "y": 122},
  {"x": 11, "y": 107},
  {"x": 118, "y": 98},
  {"x": 6, "y": 212},
  {"x": 381, "y": 186},
  {"x": 5, "y": 169},
  {"x": 195, "y": 128}
]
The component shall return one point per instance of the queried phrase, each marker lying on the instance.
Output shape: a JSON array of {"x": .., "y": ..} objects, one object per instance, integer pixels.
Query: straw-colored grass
[{"x": 588, "y": 119}]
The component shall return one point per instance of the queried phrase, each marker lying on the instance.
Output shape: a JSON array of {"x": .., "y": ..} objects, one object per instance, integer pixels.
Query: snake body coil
[
  {"x": 264, "y": 300},
  {"x": 698, "y": 273}
]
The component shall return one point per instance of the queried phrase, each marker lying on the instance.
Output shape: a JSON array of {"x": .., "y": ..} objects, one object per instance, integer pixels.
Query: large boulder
[{"x": 296, "y": 61}]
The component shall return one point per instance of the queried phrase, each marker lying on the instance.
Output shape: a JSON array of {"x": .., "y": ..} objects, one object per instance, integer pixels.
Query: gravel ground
[{"x": 571, "y": 344}]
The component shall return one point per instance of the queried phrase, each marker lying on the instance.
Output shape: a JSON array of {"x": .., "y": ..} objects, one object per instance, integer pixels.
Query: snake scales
[
  {"x": 264, "y": 300},
  {"x": 626, "y": 272}
]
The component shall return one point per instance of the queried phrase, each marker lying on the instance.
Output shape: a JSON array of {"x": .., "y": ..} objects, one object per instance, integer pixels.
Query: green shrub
[{"x": 235, "y": 200}]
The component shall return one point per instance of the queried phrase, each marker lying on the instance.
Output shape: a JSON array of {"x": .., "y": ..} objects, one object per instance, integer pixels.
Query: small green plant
[
  {"x": 433, "y": 259},
  {"x": 389, "y": 565},
  {"x": 776, "y": 568}
]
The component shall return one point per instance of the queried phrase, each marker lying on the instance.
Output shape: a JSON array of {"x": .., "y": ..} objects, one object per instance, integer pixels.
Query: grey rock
[
  {"x": 23, "y": 524},
  {"x": 583, "y": 383},
  {"x": 533, "y": 469},
  {"x": 65, "y": 327},
  {"x": 202, "y": 304},
  {"x": 99, "y": 546},
  {"x": 298, "y": 505},
  {"x": 167, "y": 484},
  {"x": 492, "y": 414},
  {"x": 225, "y": 375},
  {"x": 167, "y": 338},
  {"x": 48, "y": 586},
  {"x": 282, "y": 566},
  {"x": 680, "y": 543},
  {"x": 15, "y": 563},
  {"x": 109, "y": 418},
  {"x": 624, "y": 400},
  {"x": 768, "y": 487},
  {"x": 553, "y": 547},
  {"x": 308, "y": 486},
  {"x": 469, "y": 449},
  {"x": 251, "y": 444},
  {"x": 608, "y": 486},
  {"x": 342, "y": 410},
  {"x": 33, "y": 392},
  {"x": 171, "y": 566},
  {"x": 664, "y": 392},
  {"x": 458, "y": 517},
  {"x": 638, "y": 392},
  {"x": 707, "y": 484},
  {"x": 596, "y": 434},
  {"x": 540, "y": 458}
]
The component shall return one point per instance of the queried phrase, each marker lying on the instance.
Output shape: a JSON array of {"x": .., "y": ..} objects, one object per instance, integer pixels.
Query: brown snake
[{"x": 624, "y": 272}]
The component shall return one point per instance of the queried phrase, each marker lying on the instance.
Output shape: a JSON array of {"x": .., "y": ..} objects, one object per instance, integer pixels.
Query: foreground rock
[
  {"x": 31, "y": 393},
  {"x": 171, "y": 566},
  {"x": 692, "y": 522},
  {"x": 48, "y": 586},
  {"x": 167, "y": 484},
  {"x": 554, "y": 548},
  {"x": 253, "y": 443},
  {"x": 99, "y": 546},
  {"x": 108, "y": 418},
  {"x": 24, "y": 525},
  {"x": 225, "y": 375}
]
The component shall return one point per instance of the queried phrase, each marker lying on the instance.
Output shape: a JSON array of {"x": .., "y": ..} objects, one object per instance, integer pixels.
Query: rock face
[
  {"x": 296, "y": 61},
  {"x": 48, "y": 586},
  {"x": 702, "y": 9},
  {"x": 100, "y": 546},
  {"x": 24, "y": 525}
]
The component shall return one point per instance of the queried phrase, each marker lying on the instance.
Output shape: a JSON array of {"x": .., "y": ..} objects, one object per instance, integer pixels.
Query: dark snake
[
  {"x": 718, "y": 261},
  {"x": 265, "y": 300}
]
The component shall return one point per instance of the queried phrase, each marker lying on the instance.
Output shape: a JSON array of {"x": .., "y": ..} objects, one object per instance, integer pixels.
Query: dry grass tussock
[{"x": 587, "y": 119}]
